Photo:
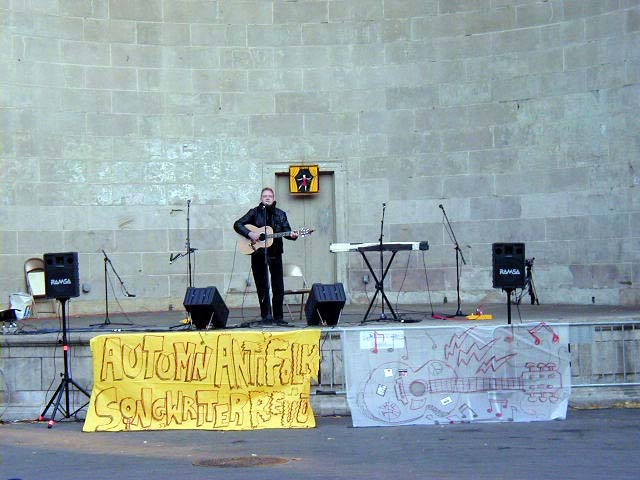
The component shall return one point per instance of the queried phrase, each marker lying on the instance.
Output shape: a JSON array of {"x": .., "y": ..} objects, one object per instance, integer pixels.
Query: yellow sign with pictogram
[{"x": 304, "y": 179}]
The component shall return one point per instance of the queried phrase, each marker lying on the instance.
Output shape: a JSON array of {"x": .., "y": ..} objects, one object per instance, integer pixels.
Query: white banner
[{"x": 436, "y": 375}]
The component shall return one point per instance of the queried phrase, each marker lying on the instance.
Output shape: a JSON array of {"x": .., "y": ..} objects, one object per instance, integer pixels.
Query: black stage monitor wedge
[
  {"x": 61, "y": 275},
  {"x": 206, "y": 307},
  {"x": 508, "y": 265},
  {"x": 325, "y": 303}
]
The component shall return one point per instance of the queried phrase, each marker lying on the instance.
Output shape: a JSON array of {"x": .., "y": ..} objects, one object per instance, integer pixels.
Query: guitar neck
[
  {"x": 280, "y": 234},
  {"x": 474, "y": 384}
]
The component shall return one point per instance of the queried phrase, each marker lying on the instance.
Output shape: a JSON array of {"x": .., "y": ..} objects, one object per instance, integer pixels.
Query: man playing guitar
[{"x": 262, "y": 265}]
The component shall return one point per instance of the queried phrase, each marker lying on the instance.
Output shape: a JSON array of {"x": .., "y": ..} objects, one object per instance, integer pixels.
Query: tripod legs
[
  {"x": 533, "y": 294},
  {"x": 56, "y": 400},
  {"x": 63, "y": 387},
  {"x": 530, "y": 288}
]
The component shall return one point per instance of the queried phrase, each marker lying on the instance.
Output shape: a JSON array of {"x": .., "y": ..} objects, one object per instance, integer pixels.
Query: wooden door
[{"x": 317, "y": 212}]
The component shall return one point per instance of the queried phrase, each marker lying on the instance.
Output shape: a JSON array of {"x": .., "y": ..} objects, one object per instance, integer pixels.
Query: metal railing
[{"x": 605, "y": 354}]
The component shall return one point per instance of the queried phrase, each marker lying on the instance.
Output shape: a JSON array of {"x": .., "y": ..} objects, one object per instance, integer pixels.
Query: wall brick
[
  {"x": 219, "y": 35},
  {"x": 136, "y": 56},
  {"x": 300, "y": 13},
  {"x": 275, "y": 80},
  {"x": 190, "y": 11},
  {"x": 220, "y": 80},
  {"x": 275, "y": 125},
  {"x": 410, "y": 8},
  {"x": 87, "y": 53},
  {"x": 249, "y": 13},
  {"x": 117, "y": 31},
  {"x": 274, "y": 35},
  {"x": 162, "y": 34},
  {"x": 108, "y": 78},
  {"x": 111, "y": 124},
  {"x": 355, "y": 10},
  {"x": 140, "y": 10},
  {"x": 301, "y": 102},
  {"x": 397, "y": 122}
]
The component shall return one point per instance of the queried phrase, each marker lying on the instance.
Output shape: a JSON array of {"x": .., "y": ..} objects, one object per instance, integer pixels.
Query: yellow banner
[{"x": 203, "y": 380}]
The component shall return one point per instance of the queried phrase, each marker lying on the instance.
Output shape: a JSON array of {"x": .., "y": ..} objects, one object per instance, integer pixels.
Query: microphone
[
  {"x": 384, "y": 204},
  {"x": 172, "y": 257},
  {"x": 130, "y": 294},
  {"x": 440, "y": 207}
]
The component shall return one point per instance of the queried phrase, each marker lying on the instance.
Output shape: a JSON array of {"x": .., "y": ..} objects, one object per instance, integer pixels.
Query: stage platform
[
  {"x": 605, "y": 357},
  {"x": 351, "y": 316}
]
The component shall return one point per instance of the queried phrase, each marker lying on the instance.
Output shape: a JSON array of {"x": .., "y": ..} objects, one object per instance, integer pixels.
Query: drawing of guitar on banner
[
  {"x": 247, "y": 246},
  {"x": 396, "y": 393}
]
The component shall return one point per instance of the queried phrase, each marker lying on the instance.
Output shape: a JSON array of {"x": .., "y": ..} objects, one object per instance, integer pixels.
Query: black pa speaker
[
  {"x": 508, "y": 265},
  {"x": 206, "y": 306},
  {"x": 325, "y": 303},
  {"x": 61, "y": 275},
  {"x": 8, "y": 315}
]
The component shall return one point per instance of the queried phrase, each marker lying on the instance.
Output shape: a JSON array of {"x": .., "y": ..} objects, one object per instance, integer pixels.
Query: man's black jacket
[{"x": 275, "y": 218}]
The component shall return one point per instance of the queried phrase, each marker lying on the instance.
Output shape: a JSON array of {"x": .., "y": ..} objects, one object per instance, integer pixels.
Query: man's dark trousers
[{"x": 277, "y": 283}]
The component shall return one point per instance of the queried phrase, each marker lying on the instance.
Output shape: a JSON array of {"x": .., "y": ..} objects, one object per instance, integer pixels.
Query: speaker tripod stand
[{"x": 65, "y": 382}]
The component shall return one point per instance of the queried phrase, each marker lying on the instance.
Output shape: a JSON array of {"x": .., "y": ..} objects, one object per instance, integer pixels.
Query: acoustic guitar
[{"x": 248, "y": 246}]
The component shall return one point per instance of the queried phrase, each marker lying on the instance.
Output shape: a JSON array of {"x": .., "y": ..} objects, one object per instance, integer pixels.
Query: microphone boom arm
[
  {"x": 122, "y": 285},
  {"x": 452, "y": 235}
]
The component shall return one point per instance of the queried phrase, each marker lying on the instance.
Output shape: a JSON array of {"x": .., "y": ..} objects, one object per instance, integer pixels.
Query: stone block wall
[{"x": 518, "y": 116}]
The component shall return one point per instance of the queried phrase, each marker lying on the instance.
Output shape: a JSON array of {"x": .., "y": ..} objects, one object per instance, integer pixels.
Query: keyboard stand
[{"x": 379, "y": 285}]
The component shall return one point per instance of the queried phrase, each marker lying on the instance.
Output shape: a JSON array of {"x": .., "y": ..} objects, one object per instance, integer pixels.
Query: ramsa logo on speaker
[
  {"x": 60, "y": 281},
  {"x": 509, "y": 271}
]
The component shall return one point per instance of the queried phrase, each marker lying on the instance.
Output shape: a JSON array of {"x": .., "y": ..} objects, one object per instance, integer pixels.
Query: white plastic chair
[{"x": 290, "y": 270}]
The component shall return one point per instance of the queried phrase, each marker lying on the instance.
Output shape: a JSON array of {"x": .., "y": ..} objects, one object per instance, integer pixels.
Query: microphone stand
[
  {"x": 383, "y": 316},
  {"x": 187, "y": 253},
  {"x": 189, "y": 250},
  {"x": 269, "y": 318},
  {"x": 107, "y": 261},
  {"x": 452, "y": 236}
]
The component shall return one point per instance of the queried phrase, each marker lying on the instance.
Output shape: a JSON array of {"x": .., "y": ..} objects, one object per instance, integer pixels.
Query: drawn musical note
[
  {"x": 555, "y": 338},
  {"x": 406, "y": 350},
  {"x": 434, "y": 346},
  {"x": 499, "y": 404},
  {"x": 375, "y": 341},
  {"x": 467, "y": 412}
]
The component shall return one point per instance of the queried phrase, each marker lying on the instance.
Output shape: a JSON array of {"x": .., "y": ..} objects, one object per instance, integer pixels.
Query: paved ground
[{"x": 591, "y": 444}]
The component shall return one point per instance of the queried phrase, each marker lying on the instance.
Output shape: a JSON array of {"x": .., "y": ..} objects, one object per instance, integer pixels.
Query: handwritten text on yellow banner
[{"x": 203, "y": 380}]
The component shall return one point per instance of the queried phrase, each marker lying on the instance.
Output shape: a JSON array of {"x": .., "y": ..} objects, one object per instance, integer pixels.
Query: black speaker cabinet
[
  {"x": 61, "y": 275},
  {"x": 325, "y": 303},
  {"x": 206, "y": 306},
  {"x": 8, "y": 315},
  {"x": 508, "y": 265}
]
